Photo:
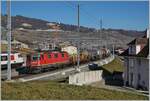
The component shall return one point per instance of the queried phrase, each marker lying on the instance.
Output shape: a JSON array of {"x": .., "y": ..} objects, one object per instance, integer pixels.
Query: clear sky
[{"x": 131, "y": 15}]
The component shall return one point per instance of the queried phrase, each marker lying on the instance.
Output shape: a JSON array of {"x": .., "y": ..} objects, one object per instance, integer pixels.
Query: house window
[
  {"x": 127, "y": 62},
  {"x": 143, "y": 82},
  {"x": 131, "y": 75},
  {"x": 139, "y": 77},
  {"x": 139, "y": 62},
  {"x": 131, "y": 63},
  {"x": 132, "y": 49}
]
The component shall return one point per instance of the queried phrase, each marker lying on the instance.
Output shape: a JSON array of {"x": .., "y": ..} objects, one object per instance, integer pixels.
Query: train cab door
[
  {"x": 28, "y": 61},
  {"x": 42, "y": 60},
  {"x": 35, "y": 60}
]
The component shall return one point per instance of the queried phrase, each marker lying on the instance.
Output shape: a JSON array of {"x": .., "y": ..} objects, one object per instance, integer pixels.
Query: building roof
[
  {"x": 138, "y": 41},
  {"x": 143, "y": 53}
]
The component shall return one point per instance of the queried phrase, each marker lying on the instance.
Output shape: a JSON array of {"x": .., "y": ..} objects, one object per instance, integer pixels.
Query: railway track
[{"x": 55, "y": 74}]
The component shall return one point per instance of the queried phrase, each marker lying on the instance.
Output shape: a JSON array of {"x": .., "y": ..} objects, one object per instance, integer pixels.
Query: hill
[
  {"x": 89, "y": 36},
  {"x": 46, "y": 90},
  {"x": 18, "y": 20}
]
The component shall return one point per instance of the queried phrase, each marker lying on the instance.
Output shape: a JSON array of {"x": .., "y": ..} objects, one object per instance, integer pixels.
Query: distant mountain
[
  {"x": 38, "y": 30},
  {"x": 19, "y": 21}
]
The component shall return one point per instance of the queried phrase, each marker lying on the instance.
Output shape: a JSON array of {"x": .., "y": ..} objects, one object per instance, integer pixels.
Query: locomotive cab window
[
  {"x": 35, "y": 57},
  {"x": 3, "y": 58},
  {"x": 56, "y": 55},
  {"x": 49, "y": 56},
  {"x": 63, "y": 55}
]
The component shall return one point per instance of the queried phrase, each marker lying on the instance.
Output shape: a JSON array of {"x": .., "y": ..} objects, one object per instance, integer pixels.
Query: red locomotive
[
  {"x": 37, "y": 62},
  {"x": 40, "y": 61}
]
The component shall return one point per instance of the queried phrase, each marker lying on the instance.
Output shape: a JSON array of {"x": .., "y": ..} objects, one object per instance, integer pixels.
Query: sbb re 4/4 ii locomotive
[{"x": 46, "y": 60}]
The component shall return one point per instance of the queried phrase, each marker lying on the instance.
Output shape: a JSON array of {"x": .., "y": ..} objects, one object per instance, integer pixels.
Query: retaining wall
[{"x": 85, "y": 77}]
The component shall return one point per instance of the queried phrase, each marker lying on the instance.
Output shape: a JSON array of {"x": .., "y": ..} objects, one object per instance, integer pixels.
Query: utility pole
[
  {"x": 100, "y": 29},
  {"x": 9, "y": 39},
  {"x": 100, "y": 38},
  {"x": 113, "y": 51},
  {"x": 78, "y": 46},
  {"x": 0, "y": 35}
]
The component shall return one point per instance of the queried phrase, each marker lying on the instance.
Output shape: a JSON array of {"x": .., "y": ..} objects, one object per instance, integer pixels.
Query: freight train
[{"x": 48, "y": 60}]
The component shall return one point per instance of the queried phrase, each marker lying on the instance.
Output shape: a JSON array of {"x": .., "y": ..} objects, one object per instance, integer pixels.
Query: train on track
[
  {"x": 16, "y": 60},
  {"x": 39, "y": 61}
]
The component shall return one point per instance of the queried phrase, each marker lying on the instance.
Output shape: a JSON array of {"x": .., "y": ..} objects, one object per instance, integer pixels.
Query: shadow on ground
[{"x": 114, "y": 78}]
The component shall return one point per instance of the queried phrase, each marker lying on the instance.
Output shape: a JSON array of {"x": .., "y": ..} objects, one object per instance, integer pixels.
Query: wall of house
[
  {"x": 134, "y": 49},
  {"x": 138, "y": 48},
  {"x": 135, "y": 67},
  {"x": 142, "y": 70}
]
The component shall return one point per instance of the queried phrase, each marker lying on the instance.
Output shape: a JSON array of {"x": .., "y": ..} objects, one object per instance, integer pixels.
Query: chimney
[{"x": 147, "y": 33}]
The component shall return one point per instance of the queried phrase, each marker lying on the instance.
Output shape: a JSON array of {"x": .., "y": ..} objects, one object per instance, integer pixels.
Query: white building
[
  {"x": 136, "y": 61},
  {"x": 70, "y": 49}
]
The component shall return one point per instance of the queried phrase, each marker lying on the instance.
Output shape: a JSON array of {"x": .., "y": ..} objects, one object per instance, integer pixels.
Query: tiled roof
[
  {"x": 143, "y": 53},
  {"x": 138, "y": 41}
]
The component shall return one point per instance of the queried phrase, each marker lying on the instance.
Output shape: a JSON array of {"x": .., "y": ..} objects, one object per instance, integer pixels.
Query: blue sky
[{"x": 131, "y": 15}]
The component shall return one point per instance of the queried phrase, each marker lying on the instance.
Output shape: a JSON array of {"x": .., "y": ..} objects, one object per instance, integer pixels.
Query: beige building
[
  {"x": 15, "y": 44},
  {"x": 70, "y": 49}
]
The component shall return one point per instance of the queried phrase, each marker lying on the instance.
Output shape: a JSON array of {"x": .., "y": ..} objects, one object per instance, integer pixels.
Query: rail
[{"x": 63, "y": 72}]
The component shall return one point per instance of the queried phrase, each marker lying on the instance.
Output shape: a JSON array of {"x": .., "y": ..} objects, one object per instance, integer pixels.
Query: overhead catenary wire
[{"x": 82, "y": 10}]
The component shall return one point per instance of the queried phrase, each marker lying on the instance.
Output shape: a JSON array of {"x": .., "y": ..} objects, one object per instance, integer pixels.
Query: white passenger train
[{"x": 16, "y": 60}]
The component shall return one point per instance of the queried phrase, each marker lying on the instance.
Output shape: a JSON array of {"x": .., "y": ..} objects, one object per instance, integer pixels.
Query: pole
[
  {"x": 9, "y": 39},
  {"x": 0, "y": 37},
  {"x": 78, "y": 46},
  {"x": 113, "y": 51},
  {"x": 100, "y": 36}
]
